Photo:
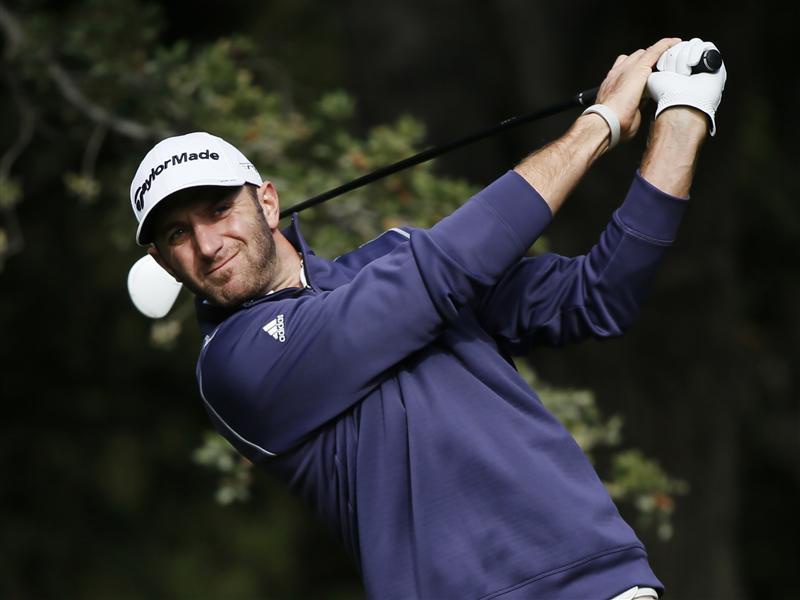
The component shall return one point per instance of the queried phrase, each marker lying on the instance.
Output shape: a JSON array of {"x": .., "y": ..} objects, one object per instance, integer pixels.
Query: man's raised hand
[
  {"x": 675, "y": 85},
  {"x": 624, "y": 86}
]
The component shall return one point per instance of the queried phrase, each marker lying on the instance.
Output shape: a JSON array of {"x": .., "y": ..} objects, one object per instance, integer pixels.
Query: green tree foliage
[{"x": 118, "y": 510}]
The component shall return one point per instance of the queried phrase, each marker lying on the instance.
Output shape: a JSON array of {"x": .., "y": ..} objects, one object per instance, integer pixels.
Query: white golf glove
[{"x": 674, "y": 85}]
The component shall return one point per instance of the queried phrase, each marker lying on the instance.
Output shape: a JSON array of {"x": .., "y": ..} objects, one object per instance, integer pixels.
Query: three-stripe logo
[{"x": 276, "y": 328}]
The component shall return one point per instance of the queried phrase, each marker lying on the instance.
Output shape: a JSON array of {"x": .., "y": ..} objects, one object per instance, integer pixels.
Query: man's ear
[
  {"x": 270, "y": 204},
  {"x": 153, "y": 251}
]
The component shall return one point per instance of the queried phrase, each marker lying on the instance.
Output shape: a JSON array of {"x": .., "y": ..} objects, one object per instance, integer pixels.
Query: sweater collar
[{"x": 320, "y": 275}]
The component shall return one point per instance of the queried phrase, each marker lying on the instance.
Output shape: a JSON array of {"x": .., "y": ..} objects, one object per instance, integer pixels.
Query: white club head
[{"x": 152, "y": 290}]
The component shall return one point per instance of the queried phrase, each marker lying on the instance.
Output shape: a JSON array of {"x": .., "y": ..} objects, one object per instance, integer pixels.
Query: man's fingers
[
  {"x": 624, "y": 86},
  {"x": 650, "y": 56},
  {"x": 623, "y": 60},
  {"x": 696, "y": 49},
  {"x": 636, "y": 55},
  {"x": 647, "y": 57}
]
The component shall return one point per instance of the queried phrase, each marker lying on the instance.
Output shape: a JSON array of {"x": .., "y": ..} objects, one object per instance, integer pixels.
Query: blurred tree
[{"x": 104, "y": 504}]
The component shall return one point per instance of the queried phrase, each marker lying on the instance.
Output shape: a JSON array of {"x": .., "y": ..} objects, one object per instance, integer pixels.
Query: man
[{"x": 380, "y": 386}]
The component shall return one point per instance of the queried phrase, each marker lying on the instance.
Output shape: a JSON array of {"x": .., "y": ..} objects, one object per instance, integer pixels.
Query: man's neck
[{"x": 288, "y": 265}]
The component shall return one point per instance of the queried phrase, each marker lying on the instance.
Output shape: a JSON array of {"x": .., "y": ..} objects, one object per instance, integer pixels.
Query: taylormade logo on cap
[
  {"x": 156, "y": 171},
  {"x": 185, "y": 161}
]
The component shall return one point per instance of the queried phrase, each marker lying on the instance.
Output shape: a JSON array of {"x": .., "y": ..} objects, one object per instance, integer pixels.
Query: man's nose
[{"x": 208, "y": 240}]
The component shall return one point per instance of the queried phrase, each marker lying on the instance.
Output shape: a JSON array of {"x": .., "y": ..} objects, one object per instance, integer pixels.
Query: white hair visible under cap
[{"x": 185, "y": 161}]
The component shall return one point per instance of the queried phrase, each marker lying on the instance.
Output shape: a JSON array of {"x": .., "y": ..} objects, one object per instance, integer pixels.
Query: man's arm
[
  {"x": 556, "y": 169},
  {"x": 685, "y": 112},
  {"x": 672, "y": 150},
  {"x": 335, "y": 347},
  {"x": 552, "y": 299}
]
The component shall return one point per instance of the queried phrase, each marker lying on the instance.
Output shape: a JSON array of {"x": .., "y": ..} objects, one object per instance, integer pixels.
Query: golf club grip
[{"x": 710, "y": 62}]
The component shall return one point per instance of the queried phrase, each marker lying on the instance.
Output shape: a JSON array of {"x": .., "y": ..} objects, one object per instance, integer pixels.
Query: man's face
[{"x": 217, "y": 242}]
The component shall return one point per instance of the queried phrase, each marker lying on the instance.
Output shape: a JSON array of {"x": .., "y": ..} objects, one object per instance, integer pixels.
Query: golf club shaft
[{"x": 584, "y": 98}]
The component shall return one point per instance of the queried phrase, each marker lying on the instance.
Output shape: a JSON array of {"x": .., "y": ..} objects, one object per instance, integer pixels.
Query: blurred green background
[{"x": 692, "y": 418}]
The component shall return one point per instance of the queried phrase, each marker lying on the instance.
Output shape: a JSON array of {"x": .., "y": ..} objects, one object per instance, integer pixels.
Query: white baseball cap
[{"x": 185, "y": 161}]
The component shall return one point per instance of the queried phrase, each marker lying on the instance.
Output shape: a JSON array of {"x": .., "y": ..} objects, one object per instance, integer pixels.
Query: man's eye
[
  {"x": 176, "y": 234},
  {"x": 222, "y": 208}
]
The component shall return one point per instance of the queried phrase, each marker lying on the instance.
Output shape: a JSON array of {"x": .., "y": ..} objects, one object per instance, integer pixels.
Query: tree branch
[
  {"x": 27, "y": 118},
  {"x": 96, "y": 113},
  {"x": 70, "y": 90},
  {"x": 13, "y": 31},
  {"x": 15, "y": 242},
  {"x": 93, "y": 150}
]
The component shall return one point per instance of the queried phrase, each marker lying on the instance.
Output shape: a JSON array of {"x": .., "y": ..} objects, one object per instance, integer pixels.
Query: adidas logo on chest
[{"x": 276, "y": 328}]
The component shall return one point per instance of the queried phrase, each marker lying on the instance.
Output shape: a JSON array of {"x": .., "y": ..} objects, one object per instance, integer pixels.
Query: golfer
[{"x": 380, "y": 386}]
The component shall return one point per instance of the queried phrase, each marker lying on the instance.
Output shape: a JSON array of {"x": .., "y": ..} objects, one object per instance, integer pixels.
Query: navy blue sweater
[{"x": 383, "y": 393}]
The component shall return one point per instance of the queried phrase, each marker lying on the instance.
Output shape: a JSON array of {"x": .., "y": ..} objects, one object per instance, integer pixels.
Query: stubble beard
[{"x": 252, "y": 275}]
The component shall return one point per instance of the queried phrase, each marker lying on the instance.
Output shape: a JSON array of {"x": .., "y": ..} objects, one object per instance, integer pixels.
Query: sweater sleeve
[
  {"x": 277, "y": 370},
  {"x": 553, "y": 300}
]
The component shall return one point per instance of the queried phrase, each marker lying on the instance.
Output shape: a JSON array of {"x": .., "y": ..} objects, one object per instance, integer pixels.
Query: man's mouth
[{"x": 222, "y": 264}]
